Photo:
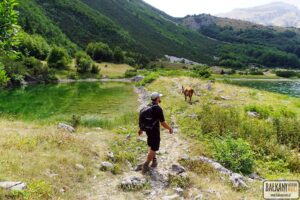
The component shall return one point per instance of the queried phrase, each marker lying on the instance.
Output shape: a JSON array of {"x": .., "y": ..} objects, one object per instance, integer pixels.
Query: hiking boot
[
  {"x": 154, "y": 163},
  {"x": 146, "y": 168}
]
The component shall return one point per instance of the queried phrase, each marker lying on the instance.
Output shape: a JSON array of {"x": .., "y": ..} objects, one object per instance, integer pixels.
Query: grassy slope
[
  {"x": 112, "y": 70},
  {"x": 34, "y": 21},
  {"x": 154, "y": 31},
  {"x": 133, "y": 25},
  {"x": 240, "y": 98}
]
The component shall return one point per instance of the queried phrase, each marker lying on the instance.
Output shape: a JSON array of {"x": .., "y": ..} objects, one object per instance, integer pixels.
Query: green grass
[
  {"x": 112, "y": 70},
  {"x": 53, "y": 103}
]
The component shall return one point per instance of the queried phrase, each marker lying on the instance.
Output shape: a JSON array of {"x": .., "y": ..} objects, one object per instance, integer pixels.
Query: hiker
[{"x": 150, "y": 119}]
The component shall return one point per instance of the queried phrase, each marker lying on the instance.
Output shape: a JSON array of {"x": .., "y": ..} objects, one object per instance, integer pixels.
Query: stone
[
  {"x": 171, "y": 197},
  {"x": 178, "y": 190},
  {"x": 137, "y": 78},
  {"x": 253, "y": 114},
  {"x": 131, "y": 183},
  {"x": 238, "y": 181},
  {"x": 178, "y": 169},
  {"x": 79, "y": 166},
  {"x": 10, "y": 185},
  {"x": 128, "y": 137},
  {"x": 199, "y": 197},
  {"x": 66, "y": 127},
  {"x": 224, "y": 98},
  {"x": 255, "y": 176},
  {"x": 110, "y": 155},
  {"x": 106, "y": 166},
  {"x": 192, "y": 116}
]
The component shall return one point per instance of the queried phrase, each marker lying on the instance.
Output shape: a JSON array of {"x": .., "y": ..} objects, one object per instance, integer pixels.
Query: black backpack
[{"x": 146, "y": 120}]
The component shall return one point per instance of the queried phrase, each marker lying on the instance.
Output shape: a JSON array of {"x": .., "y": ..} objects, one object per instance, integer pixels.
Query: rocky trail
[{"x": 155, "y": 185}]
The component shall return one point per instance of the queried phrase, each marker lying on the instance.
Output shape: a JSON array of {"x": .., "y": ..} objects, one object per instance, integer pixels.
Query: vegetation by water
[
  {"x": 291, "y": 88},
  {"x": 93, "y": 102}
]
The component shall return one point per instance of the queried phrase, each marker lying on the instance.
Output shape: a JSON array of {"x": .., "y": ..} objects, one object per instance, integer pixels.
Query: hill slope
[
  {"x": 274, "y": 14},
  {"x": 246, "y": 43},
  {"x": 132, "y": 25}
]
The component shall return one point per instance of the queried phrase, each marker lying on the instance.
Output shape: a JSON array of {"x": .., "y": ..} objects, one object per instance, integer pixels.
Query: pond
[
  {"x": 52, "y": 103},
  {"x": 287, "y": 87}
]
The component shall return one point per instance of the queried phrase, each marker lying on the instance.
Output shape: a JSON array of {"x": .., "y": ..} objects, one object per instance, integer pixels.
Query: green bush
[
  {"x": 287, "y": 74},
  {"x": 149, "y": 79},
  {"x": 203, "y": 71},
  {"x": 130, "y": 73},
  {"x": 58, "y": 58},
  {"x": 34, "y": 45},
  {"x": 234, "y": 154},
  {"x": 3, "y": 76},
  {"x": 100, "y": 52},
  {"x": 95, "y": 69},
  {"x": 38, "y": 72},
  {"x": 119, "y": 56},
  {"x": 83, "y": 62}
]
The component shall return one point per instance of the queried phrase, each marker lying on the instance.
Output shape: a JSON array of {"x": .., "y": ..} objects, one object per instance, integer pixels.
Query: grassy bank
[
  {"x": 220, "y": 118},
  {"x": 96, "y": 103}
]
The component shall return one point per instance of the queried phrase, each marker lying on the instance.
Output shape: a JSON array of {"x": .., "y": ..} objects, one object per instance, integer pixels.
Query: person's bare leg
[{"x": 150, "y": 157}]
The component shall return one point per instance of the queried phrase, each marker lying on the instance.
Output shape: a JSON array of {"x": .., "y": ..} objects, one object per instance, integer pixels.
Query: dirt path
[{"x": 173, "y": 147}]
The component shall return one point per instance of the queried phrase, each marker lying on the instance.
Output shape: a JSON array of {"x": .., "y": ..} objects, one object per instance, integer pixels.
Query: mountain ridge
[{"x": 273, "y": 14}]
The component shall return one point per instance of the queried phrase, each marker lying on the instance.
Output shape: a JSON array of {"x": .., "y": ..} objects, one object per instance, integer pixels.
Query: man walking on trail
[{"x": 150, "y": 119}]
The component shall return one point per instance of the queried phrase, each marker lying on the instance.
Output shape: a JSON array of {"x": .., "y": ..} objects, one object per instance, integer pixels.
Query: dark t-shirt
[{"x": 158, "y": 115}]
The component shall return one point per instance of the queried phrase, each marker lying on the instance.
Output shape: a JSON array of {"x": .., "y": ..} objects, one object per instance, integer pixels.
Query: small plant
[
  {"x": 235, "y": 154},
  {"x": 181, "y": 180},
  {"x": 75, "y": 122},
  {"x": 197, "y": 166}
]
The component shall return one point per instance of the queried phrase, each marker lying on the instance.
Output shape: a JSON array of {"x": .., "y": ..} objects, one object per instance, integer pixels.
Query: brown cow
[{"x": 188, "y": 92}]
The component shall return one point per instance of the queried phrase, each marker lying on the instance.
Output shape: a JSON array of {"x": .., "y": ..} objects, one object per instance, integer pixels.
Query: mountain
[
  {"x": 132, "y": 24},
  {"x": 273, "y": 14},
  {"x": 136, "y": 26},
  {"x": 244, "y": 43}
]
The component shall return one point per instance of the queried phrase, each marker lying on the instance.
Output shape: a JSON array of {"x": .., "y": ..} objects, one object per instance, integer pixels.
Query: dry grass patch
[{"x": 45, "y": 158}]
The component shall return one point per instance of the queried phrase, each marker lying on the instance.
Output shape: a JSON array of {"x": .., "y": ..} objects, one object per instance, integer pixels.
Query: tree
[
  {"x": 58, "y": 58},
  {"x": 100, "y": 52},
  {"x": 33, "y": 45},
  {"x": 83, "y": 62},
  {"x": 8, "y": 33},
  {"x": 118, "y": 55},
  {"x": 8, "y": 25}
]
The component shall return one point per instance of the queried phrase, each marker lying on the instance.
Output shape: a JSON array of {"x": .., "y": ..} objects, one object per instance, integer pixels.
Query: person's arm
[{"x": 166, "y": 126}]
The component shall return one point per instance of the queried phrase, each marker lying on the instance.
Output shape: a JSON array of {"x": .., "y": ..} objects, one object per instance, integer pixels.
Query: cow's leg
[{"x": 185, "y": 97}]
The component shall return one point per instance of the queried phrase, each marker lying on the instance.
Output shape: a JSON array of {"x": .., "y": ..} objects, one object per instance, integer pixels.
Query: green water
[
  {"x": 291, "y": 88},
  {"x": 59, "y": 102}
]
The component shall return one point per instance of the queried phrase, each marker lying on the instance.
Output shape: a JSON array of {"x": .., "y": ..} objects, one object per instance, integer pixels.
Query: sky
[{"x": 181, "y": 8}]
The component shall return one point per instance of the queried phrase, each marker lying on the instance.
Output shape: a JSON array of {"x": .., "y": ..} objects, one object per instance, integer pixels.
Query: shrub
[
  {"x": 83, "y": 62},
  {"x": 264, "y": 111},
  {"x": 149, "y": 79},
  {"x": 58, "y": 58},
  {"x": 202, "y": 71},
  {"x": 118, "y": 55},
  {"x": 34, "y": 45},
  {"x": 130, "y": 73},
  {"x": 287, "y": 74},
  {"x": 100, "y": 52},
  {"x": 234, "y": 154},
  {"x": 38, "y": 72},
  {"x": 3, "y": 76},
  {"x": 95, "y": 69}
]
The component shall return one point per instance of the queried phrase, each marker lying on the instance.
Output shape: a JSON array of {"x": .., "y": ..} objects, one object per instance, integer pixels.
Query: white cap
[{"x": 155, "y": 95}]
